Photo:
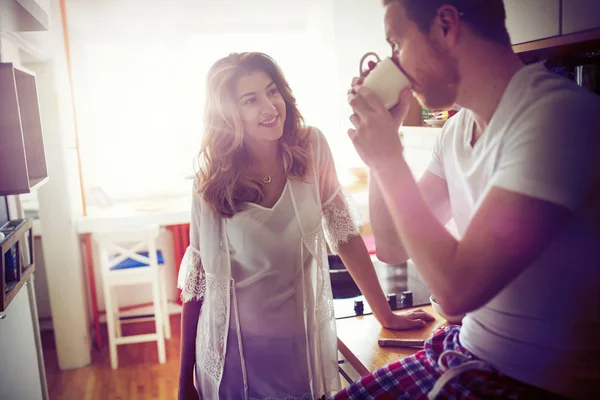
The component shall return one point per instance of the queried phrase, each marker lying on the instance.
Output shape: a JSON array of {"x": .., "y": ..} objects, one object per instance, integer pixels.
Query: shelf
[
  {"x": 413, "y": 117},
  {"x": 22, "y": 155},
  {"x": 559, "y": 46},
  {"x": 16, "y": 259}
]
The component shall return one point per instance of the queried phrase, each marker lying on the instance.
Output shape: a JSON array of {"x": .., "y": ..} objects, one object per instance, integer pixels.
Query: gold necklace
[{"x": 267, "y": 179}]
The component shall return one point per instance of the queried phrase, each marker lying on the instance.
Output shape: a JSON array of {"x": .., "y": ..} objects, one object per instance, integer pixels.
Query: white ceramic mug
[{"x": 386, "y": 80}]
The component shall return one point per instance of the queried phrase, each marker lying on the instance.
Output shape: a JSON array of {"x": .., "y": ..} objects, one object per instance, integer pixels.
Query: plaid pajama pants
[{"x": 412, "y": 378}]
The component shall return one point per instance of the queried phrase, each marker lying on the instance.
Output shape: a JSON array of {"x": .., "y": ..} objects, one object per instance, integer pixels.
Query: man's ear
[{"x": 446, "y": 24}]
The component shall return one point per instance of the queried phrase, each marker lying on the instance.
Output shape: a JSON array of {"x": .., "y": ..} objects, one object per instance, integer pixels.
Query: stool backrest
[{"x": 127, "y": 243}]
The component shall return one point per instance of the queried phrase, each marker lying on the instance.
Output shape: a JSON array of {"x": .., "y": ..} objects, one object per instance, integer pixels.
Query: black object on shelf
[
  {"x": 392, "y": 301},
  {"x": 11, "y": 265},
  {"x": 407, "y": 299},
  {"x": 16, "y": 259},
  {"x": 359, "y": 307}
]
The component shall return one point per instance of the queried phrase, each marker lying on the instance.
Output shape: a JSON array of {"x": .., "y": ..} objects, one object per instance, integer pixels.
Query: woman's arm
[
  {"x": 192, "y": 282},
  {"x": 356, "y": 258},
  {"x": 189, "y": 325},
  {"x": 340, "y": 223}
]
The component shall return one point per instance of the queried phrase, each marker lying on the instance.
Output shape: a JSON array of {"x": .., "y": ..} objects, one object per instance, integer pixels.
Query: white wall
[
  {"x": 58, "y": 207},
  {"x": 358, "y": 30},
  {"x": 10, "y": 52},
  {"x": 41, "y": 284}
]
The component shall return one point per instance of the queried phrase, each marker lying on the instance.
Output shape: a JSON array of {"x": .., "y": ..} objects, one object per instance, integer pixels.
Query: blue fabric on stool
[{"x": 130, "y": 263}]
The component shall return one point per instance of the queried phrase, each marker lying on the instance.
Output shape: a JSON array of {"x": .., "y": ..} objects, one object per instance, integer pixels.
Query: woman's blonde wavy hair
[{"x": 222, "y": 154}]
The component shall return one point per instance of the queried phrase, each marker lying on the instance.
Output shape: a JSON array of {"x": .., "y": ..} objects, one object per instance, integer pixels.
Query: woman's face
[{"x": 261, "y": 106}]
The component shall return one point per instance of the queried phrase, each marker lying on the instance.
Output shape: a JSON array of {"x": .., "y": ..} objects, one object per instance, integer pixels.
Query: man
[{"x": 517, "y": 169}]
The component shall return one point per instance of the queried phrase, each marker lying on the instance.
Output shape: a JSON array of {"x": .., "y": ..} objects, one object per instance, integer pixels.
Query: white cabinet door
[
  {"x": 529, "y": 20},
  {"x": 19, "y": 373},
  {"x": 580, "y": 15}
]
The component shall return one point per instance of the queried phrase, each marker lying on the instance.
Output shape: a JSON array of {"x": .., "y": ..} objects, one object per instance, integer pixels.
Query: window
[{"x": 140, "y": 106}]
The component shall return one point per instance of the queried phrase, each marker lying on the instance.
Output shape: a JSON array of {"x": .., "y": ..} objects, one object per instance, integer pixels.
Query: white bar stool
[{"x": 129, "y": 257}]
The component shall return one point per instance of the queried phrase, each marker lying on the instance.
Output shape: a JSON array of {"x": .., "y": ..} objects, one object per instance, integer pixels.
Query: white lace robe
[{"x": 264, "y": 281}]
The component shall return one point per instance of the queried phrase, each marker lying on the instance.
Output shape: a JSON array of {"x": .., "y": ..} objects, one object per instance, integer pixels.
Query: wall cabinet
[
  {"x": 24, "y": 15},
  {"x": 22, "y": 156},
  {"x": 580, "y": 15},
  {"x": 529, "y": 20}
]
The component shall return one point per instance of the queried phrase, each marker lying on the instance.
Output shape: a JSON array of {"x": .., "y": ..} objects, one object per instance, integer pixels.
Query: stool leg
[
  {"x": 165, "y": 303},
  {"x": 110, "y": 321},
  {"x": 159, "y": 320},
  {"x": 115, "y": 301}
]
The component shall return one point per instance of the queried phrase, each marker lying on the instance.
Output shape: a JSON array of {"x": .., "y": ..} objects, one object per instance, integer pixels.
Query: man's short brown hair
[{"x": 486, "y": 17}]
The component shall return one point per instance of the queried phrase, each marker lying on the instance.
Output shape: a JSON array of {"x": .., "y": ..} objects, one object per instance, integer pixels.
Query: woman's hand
[{"x": 413, "y": 319}]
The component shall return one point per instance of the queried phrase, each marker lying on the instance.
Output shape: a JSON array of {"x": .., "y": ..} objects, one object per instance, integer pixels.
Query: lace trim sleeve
[
  {"x": 191, "y": 279},
  {"x": 340, "y": 219}
]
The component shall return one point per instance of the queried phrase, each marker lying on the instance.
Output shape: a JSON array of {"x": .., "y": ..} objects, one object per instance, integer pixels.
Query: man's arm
[
  {"x": 389, "y": 247},
  {"x": 542, "y": 176},
  {"x": 505, "y": 236}
]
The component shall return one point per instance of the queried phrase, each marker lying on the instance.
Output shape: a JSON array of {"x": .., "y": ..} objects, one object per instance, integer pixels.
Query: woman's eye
[
  {"x": 273, "y": 92},
  {"x": 250, "y": 100}
]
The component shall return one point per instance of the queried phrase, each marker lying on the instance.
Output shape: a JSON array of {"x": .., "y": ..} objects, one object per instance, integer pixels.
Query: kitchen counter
[{"x": 358, "y": 336}]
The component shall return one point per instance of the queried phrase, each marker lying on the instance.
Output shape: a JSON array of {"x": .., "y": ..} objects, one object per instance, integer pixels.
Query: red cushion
[{"x": 370, "y": 243}]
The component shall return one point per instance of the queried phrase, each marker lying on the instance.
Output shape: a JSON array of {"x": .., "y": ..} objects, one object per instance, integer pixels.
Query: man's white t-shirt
[{"x": 543, "y": 141}]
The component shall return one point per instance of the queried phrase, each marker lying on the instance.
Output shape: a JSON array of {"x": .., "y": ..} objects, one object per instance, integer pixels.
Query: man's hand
[
  {"x": 413, "y": 319},
  {"x": 399, "y": 111},
  {"x": 375, "y": 136}
]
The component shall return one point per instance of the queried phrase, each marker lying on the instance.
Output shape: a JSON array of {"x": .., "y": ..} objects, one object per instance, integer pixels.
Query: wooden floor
[{"x": 138, "y": 377}]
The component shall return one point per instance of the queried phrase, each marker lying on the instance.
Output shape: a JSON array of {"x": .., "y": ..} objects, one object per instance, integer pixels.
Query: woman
[{"x": 257, "y": 262}]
